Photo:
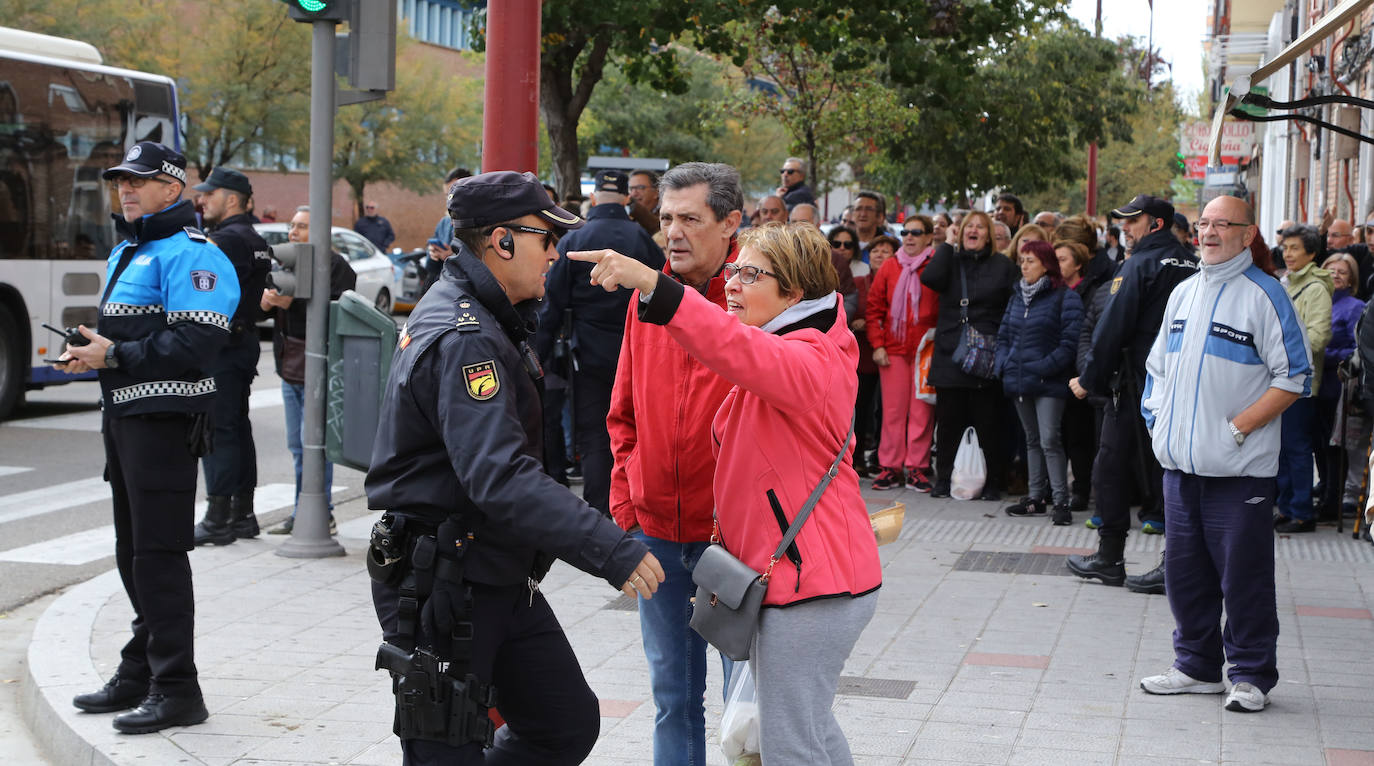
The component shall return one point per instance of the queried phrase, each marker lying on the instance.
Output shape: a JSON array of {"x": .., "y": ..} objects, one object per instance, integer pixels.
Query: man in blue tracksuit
[
  {"x": 164, "y": 317},
  {"x": 1230, "y": 357}
]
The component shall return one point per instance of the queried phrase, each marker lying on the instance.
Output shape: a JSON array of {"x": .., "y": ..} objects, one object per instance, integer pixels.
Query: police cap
[
  {"x": 226, "y": 178},
  {"x": 1147, "y": 204},
  {"x": 615, "y": 181},
  {"x": 149, "y": 158},
  {"x": 502, "y": 196}
]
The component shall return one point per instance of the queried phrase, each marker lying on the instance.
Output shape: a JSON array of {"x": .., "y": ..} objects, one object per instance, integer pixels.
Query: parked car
[
  {"x": 411, "y": 279},
  {"x": 378, "y": 278}
]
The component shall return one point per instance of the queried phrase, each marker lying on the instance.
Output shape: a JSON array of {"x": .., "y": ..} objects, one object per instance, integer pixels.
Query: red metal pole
[
  {"x": 510, "y": 117},
  {"x": 1092, "y": 180}
]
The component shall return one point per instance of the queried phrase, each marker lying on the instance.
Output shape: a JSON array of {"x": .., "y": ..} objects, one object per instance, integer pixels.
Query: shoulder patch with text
[
  {"x": 481, "y": 380},
  {"x": 1116, "y": 285},
  {"x": 203, "y": 281}
]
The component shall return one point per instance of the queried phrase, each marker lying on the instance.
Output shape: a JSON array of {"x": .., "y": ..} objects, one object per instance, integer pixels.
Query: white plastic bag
[
  {"x": 970, "y": 470},
  {"x": 739, "y": 725}
]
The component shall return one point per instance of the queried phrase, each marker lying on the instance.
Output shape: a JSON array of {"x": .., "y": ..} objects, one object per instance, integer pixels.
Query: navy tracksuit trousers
[{"x": 1219, "y": 556}]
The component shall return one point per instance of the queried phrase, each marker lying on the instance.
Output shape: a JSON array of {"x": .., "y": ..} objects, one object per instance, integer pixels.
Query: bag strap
[
  {"x": 963, "y": 294},
  {"x": 810, "y": 503}
]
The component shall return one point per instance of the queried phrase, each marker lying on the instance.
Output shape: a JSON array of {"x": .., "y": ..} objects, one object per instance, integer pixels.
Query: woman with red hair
[{"x": 1036, "y": 347}]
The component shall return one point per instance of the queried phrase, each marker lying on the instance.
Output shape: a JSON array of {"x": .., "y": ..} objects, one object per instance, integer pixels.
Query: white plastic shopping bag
[
  {"x": 970, "y": 470},
  {"x": 739, "y": 725}
]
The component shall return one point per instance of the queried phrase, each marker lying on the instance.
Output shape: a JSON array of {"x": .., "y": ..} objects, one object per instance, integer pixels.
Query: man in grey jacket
[{"x": 1230, "y": 357}]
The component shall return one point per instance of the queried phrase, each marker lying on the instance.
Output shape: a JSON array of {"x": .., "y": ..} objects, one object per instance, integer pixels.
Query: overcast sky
[{"x": 1179, "y": 27}]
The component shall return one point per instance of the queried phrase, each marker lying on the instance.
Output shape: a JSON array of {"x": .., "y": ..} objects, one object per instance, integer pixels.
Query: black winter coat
[
  {"x": 1036, "y": 344},
  {"x": 990, "y": 278}
]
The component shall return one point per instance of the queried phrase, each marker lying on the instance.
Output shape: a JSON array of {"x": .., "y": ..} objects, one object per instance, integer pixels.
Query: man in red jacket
[{"x": 660, "y": 426}]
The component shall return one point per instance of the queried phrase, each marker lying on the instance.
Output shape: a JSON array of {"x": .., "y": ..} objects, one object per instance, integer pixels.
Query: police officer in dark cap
[
  {"x": 472, "y": 522},
  {"x": 1115, "y": 367},
  {"x": 231, "y": 470},
  {"x": 597, "y": 324},
  {"x": 164, "y": 316}
]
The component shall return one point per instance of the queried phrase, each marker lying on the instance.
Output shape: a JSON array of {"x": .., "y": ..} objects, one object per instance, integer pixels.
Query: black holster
[
  {"x": 200, "y": 434},
  {"x": 434, "y": 703}
]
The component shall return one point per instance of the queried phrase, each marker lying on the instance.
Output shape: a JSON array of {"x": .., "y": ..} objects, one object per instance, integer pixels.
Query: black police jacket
[
  {"x": 461, "y": 435},
  {"x": 598, "y": 317},
  {"x": 1136, "y": 298},
  {"x": 252, "y": 260}
]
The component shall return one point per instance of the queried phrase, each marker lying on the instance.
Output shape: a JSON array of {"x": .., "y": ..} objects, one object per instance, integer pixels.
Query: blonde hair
[
  {"x": 1350, "y": 262},
  {"x": 798, "y": 254},
  {"x": 1079, "y": 229},
  {"x": 987, "y": 224},
  {"x": 1014, "y": 249},
  {"x": 1081, "y": 256}
]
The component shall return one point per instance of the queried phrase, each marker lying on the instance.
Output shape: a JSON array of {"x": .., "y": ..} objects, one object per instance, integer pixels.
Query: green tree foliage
[
  {"x": 410, "y": 138},
  {"x": 1019, "y": 121},
  {"x": 648, "y": 122},
  {"x": 1144, "y": 164}
]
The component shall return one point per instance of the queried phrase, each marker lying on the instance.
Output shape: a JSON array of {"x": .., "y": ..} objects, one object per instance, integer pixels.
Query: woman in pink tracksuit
[{"x": 790, "y": 354}]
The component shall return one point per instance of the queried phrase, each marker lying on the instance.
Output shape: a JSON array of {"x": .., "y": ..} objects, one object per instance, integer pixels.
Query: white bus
[{"x": 64, "y": 118}]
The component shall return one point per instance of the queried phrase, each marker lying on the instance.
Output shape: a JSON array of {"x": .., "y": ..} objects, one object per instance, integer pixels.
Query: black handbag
[
  {"x": 976, "y": 353},
  {"x": 729, "y": 594}
]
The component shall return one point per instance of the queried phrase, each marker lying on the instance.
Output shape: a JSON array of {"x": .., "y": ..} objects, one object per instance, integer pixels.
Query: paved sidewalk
[{"x": 972, "y": 658}]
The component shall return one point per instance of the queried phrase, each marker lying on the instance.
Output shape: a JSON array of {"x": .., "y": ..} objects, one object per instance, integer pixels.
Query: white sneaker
[
  {"x": 1175, "y": 681},
  {"x": 1245, "y": 698}
]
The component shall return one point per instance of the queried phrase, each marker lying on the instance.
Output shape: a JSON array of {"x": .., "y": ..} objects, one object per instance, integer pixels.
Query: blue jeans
[
  {"x": 1295, "y": 460},
  {"x": 677, "y": 657},
  {"x": 293, "y": 398}
]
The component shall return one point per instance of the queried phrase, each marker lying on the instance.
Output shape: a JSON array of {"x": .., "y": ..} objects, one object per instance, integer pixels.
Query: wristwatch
[
  {"x": 1237, "y": 433},
  {"x": 112, "y": 361}
]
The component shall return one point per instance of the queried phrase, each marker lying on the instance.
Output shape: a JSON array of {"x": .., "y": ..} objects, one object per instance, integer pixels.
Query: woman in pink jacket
[{"x": 791, "y": 356}]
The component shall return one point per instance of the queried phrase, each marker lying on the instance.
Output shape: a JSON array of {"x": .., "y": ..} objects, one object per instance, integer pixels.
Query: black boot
[
  {"x": 158, "y": 712},
  {"x": 243, "y": 523},
  {"x": 214, "y": 528},
  {"x": 1150, "y": 582},
  {"x": 1106, "y": 565},
  {"x": 118, "y": 693}
]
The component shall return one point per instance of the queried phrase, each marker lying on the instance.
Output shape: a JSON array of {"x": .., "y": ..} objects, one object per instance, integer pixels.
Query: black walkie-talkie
[{"x": 72, "y": 335}]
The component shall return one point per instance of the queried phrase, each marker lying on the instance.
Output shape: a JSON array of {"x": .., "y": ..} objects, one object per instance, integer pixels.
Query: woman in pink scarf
[{"x": 900, "y": 311}]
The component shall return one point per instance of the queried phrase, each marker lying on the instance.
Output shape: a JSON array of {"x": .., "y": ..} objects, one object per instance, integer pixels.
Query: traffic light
[
  {"x": 319, "y": 10},
  {"x": 1179, "y": 162},
  {"x": 294, "y": 277}
]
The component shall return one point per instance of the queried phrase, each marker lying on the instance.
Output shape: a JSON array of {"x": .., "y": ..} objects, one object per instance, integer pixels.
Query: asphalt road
[{"x": 55, "y": 523}]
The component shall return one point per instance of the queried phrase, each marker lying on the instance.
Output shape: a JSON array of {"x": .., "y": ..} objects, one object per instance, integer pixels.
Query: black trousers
[
  {"x": 153, "y": 480},
  {"x": 867, "y": 429},
  {"x": 958, "y": 408},
  {"x": 552, "y": 716},
  {"x": 1080, "y": 443},
  {"x": 1124, "y": 455},
  {"x": 1330, "y": 459},
  {"x": 592, "y": 400},
  {"x": 232, "y": 468},
  {"x": 555, "y": 455}
]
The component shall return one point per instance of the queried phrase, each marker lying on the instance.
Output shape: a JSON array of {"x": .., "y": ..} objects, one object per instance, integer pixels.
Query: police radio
[{"x": 72, "y": 335}]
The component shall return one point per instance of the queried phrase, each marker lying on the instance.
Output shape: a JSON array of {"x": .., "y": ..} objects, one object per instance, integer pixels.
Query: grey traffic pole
[{"x": 310, "y": 534}]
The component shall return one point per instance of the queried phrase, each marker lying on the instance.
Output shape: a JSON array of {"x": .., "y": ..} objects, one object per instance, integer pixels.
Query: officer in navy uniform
[
  {"x": 164, "y": 318},
  {"x": 1115, "y": 368},
  {"x": 231, "y": 470},
  {"x": 473, "y": 522},
  {"x": 598, "y": 324}
]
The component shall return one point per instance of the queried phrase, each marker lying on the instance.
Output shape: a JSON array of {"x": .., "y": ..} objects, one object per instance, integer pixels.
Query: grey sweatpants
[{"x": 796, "y": 661}]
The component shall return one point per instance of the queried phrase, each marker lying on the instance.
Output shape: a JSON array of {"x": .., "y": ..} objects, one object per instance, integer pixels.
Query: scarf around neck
[
  {"x": 906, "y": 295},
  {"x": 1030, "y": 291}
]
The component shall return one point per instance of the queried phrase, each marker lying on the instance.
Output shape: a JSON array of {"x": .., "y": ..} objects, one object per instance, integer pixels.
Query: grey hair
[
  {"x": 1307, "y": 234},
  {"x": 723, "y": 193},
  {"x": 797, "y": 160},
  {"x": 302, "y": 208}
]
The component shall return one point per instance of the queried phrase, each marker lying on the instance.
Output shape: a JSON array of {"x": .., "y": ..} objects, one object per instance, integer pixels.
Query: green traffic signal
[
  {"x": 312, "y": 6},
  {"x": 318, "y": 10}
]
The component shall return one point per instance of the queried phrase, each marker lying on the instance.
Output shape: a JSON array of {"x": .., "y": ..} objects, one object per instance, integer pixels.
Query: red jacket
[
  {"x": 660, "y": 428},
  {"x": 779, "y": 430},
  {"x": 880, "y": 305}
]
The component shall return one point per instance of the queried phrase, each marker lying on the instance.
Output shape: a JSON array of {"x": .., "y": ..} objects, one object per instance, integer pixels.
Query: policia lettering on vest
[{"x": 472, "y": 522}]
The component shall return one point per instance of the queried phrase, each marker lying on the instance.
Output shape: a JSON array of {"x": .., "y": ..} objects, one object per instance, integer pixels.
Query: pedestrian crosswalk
[
  {"x": 89, "y": 419},
  {"x": 94, "y": 544}
]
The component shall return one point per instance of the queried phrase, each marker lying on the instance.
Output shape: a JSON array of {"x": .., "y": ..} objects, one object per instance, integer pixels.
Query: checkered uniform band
[
  {"x": 212, "y": 318},
  {"x": 174, "y": 171},
  {"x": 163, "y": 388},
  {"x": 129, "y": 309}
]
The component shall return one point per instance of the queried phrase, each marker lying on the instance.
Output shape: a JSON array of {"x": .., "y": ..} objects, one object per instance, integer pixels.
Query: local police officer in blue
[
  {"x": 473, "y": 523},
  {"x": 598, "y": 324},
  {"x": 164, "y": 317},
  {"x": 231, "y": 470}
]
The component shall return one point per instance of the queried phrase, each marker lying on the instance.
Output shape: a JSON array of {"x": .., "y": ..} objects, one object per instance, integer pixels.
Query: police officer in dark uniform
[
  {"x": 164, "y": 317},
  {"x": 598, "y": 324},
  {"x": 1115, "y": 367},
  {"x": 231, "y": 470},
  {"x": 473, "y": 523}
]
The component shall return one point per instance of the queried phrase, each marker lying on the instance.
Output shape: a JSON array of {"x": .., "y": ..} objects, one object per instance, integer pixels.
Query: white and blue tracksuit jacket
[
  {"x": 168, "y": 313},
  {"x": 1229, "y": 334}
]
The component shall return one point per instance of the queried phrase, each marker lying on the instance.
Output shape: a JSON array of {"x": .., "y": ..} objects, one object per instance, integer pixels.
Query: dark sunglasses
[
  {"x": 913, "y": 232},
  {"x": 846, "y": 245},
  {"x": 788, "y": 171},
  {"x": 550, "y": 237}
]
